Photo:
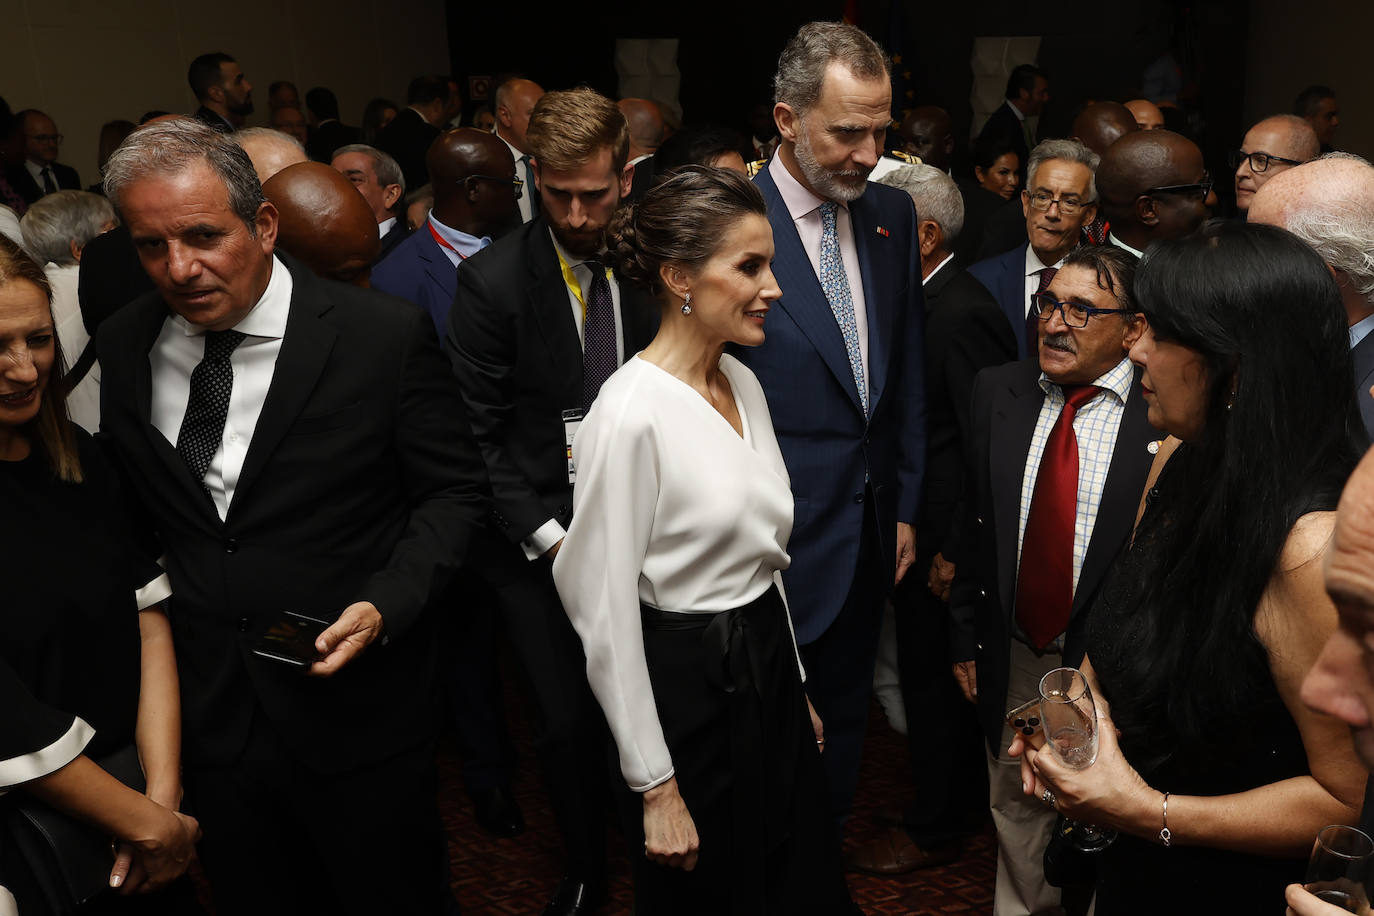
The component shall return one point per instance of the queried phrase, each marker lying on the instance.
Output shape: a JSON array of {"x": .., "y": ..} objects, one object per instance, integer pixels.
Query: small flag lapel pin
[{"x": 883, "y": 232}]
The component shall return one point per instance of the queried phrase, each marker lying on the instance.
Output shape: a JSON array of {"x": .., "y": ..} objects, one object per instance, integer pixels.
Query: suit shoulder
[{"x": 397, "y": 266}]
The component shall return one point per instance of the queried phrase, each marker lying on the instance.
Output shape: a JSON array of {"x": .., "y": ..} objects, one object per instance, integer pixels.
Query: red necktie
[
  {"x": 1032, "y": 317},
  {"x": 1044, "y": 587}
]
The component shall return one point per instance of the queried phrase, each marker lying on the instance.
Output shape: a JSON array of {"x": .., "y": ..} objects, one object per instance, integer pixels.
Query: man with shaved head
[
  {"x": 1270, "y": 147},
  {"x": 1100, "y": 124},
  {"x": 927, "y": 134},
  {"x": 1153, "y": 186},
  {"x": 1329, "y": 204},
  {"x": 323, "y": 221},
  {"x": 515, "y": 100},
  {"x": 645, "y": 120},
  {"x": 1146, "y": 113},
  {"x": 270, "y": 150},
  {"x": 475, "y": 190}
]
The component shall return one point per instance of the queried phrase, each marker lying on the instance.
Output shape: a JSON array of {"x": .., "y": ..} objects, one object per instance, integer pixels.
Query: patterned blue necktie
[{"x": 835, "y": 283}]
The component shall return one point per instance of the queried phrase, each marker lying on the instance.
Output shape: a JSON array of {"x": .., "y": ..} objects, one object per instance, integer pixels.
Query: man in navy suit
[
  {"x": 1060, "y": 198},
  {"x": 378, "y": 178},
  {"x": 475, "y": 190},
  {"x": 842, "y": 368}
]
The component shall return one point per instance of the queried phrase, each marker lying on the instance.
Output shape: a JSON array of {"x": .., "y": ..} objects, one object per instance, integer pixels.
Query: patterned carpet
[{"x": 509, "y": 877}]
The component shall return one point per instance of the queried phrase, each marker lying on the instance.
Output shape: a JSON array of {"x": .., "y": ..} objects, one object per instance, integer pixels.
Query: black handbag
[{"x": 68, "y": 859}]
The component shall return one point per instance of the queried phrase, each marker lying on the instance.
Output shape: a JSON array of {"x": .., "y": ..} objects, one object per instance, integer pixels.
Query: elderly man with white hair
[
  {"x": 56, "y": 228},
  {"x": 270, "y": 150},
  {"x": 1329, "y": 203},
  {"x": 966, "y": 331}
]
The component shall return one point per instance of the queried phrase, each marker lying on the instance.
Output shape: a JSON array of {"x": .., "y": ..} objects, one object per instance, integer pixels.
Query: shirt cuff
[
  {"x": 654, "y": 783},
  {"x": 18, "y": 770},
  {"x": 158, "y": 590},
  {"x": 543, "y": 539}
]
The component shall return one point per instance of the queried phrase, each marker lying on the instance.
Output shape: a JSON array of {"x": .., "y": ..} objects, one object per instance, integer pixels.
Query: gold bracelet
[{"x": 1165, "y": 836}]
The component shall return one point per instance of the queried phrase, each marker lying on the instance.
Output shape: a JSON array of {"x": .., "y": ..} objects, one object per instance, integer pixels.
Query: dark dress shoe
[
  {"x": 574, "y": 898},
  {"x": 498, "y": 812},
  {"x": 893, "y": 852}
]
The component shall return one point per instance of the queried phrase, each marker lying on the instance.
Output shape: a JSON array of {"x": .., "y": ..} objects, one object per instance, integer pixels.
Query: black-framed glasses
[
  {"x": 1258, "y": 161},
  {"x": 1041, "y": 200},
  {"x": 1075, "y": 314},
  {"x": 515, "y": 183},
  {"x": 1201, "y": 188}
]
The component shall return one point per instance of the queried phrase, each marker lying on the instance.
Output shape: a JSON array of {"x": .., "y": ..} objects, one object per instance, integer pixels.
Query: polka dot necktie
[
  {"x": 212, "y": 381},
  {"x": 835, "y": 284},
  {"x": 599, "y": 357}
]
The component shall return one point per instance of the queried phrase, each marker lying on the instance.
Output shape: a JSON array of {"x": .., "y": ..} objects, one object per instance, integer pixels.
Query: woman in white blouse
[{"x": 669, "y": 572}]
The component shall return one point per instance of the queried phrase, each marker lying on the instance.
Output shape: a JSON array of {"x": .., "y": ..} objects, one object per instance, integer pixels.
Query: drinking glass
[
  {"x": 1070, "y": 721},
  {"x": 1340, "y": 868}
]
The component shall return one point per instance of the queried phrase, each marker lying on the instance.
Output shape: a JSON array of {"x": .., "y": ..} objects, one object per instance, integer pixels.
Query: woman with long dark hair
[{"x": 1221, "y": 776}]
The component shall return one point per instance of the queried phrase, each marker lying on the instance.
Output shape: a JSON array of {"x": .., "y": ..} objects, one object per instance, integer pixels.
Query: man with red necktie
[{"x": 1061, "y": 448}]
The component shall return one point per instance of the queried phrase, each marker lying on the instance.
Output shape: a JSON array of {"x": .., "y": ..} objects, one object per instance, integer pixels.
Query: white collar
[
  {"x": 938, "y": 268},
  {"x": 1123, "y": 246},
  {"x": 800, "y": 200}
]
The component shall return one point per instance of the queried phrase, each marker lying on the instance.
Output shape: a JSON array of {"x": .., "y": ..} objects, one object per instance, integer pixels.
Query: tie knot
[
  {"x": 219, "y": 344},
  {"x": 1075, "y": 396},
  {"x": 828, "y": 210}
]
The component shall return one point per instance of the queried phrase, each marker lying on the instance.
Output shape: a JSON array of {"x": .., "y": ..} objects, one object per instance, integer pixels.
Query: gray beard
[{"x": 826, "y": 183}]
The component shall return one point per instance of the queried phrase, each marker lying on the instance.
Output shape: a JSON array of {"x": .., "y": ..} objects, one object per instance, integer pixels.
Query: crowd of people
[{"x": 301, "y": 426}]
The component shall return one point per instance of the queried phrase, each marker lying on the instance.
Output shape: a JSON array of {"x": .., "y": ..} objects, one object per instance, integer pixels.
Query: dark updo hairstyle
[
  {"x": 1281, "y": 434},
  {"x": 988, "y": 149},
  {"x": 681, "y": 220}
]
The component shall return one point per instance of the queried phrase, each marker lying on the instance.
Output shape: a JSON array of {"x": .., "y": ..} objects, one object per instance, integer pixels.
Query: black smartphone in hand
[{"x": 291, "y": 640}]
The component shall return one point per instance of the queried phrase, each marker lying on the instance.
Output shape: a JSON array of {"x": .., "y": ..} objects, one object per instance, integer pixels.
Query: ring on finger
[{"x": 1049, "y": 798}]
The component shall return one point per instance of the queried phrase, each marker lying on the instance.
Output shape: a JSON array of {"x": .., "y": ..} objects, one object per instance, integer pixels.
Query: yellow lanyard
[{"x": 571, "y": 280}]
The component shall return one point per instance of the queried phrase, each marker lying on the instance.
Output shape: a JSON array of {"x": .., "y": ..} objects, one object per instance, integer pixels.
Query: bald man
[
  {"x": 1329, "y": 204},
  {"x": 474, "y": 181},
  {"x": 515, "y": 99},
  {"x": 1146, "y": 113},
  {"x": 290, "y": 120},
  {"x": 1271, "y": 147},
  {"x": 927, "y": 134},
  {"x": 645, "y": 120},
  {"x": 324, "y": 221},
  {"x": 1153, "y": 186},
  {"x": 270, "y": 150},
  {"x": 1100, "y": 124}
]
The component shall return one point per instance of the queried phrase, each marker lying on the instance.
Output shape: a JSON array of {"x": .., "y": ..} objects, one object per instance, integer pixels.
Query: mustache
[{"x": 1061, "y": 341}]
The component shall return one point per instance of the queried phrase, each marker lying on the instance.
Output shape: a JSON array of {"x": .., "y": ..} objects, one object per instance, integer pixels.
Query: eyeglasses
[
  {"x": 1074, "y": 314},
  {"x": 1068, "y": 206},
  {"x": 1202, "y": 188},
  {"x": 515, "y": 183},
  {"x": 1258, "y": 161},
  {"x": 47, "y": 138}
]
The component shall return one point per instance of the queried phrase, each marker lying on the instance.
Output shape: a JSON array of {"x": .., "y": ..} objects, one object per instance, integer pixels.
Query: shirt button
[
  {"x": 243, "y": 624},
  {"x": 231, "y": 545}
]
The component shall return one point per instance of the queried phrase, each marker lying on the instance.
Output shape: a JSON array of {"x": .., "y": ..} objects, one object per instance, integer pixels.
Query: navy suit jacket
[
  {"x": 828, "y": 444},
  {"x": 1005, "y": 277},
  {"x": 418, "y": 270},
  {"x": 1363, "y": 356}
]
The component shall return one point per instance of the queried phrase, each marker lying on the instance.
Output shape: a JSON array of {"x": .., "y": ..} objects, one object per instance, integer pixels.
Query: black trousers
[
  {"x": 470, "y": 636},
  {"x": 280, "y": 838},
  {"x": 570, "y": 732},
  {"x": 839, "y": 669}
]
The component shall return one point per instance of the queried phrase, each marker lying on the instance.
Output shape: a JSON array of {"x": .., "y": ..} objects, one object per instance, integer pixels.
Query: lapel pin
[
  {"x": 883, "y": 232},
  {"x": 1153, "y": 447}
]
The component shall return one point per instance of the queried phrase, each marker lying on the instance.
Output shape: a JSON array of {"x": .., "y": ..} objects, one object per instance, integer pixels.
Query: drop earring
[{"x": 687, "y": 305}]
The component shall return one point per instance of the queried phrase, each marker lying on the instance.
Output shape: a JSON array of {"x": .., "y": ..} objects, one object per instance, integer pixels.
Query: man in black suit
[
  {"x": 298, "y": 445},
  {"x": 1329, "y": 204},
  {"x": 327, "y": 133},
  {"x": 224, "y": 93},
  {"x": 524, "y": 307},
  {"x": 1027, "y": 92},
  {"x": 41, "y": 173},
  {"x": 379, "y": 179},
  {"x": 515, "y": 100},
  {"x": 966, "y": 332},
  {"x": 1038, "y": 534},
  {"x": 1154, "y": 186},
  {"x": 408, "y": 136}
]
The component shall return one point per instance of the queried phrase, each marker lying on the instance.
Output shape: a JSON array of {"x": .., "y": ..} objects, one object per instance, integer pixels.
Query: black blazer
[
  {"x": 514, "y": 345},
  {"x": 22, "y": 182},
  {"x": 966, "y": 332},
  {"x": 362, "y": 482},
  {"x": 1363, "y": 356},
  {"x": 1004, "y": 125},
  {"x": 407, "y": 139},
  {"x": 398, "y": 233},
  {"x": 1006, "y": 404},
  {"x": 328, "y": 137}
]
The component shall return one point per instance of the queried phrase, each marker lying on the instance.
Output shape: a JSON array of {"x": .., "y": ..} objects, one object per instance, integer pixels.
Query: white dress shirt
[
  {"x": 1123, "y": 246},
  {"x": 805, "y": 209},
  {"x": 551, "y": 532},
  {"x": 464, "y": 245},
  {"x": 1095, "y": 425},
  {"x": 36, "y": 171},
  {"x": 938, "y": 267},
  {"x": 524, "y": 174},
  {"x": 675, "y": 509},
  {"x": 385, "y": 226},
  {"x": 178, "y": 350},
  {"x": 1032, "y": 283}
]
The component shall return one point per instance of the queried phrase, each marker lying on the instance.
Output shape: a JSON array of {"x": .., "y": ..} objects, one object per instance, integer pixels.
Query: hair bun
[{"x": 623, "y": 251}]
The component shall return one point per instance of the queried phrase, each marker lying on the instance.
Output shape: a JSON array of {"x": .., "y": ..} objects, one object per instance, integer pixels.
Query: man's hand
[
  {"x": 348, "y": 636},
  {"x": 906, "y": 550},
  {"x": 553, "y": 551},
  {"x": 941, "y": 577},
  {"x": 966, "y": 673}
]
